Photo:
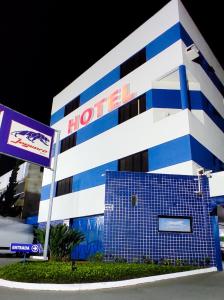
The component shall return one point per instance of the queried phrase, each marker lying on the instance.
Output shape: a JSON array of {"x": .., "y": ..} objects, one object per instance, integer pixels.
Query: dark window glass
[
  {"x": 68, "y": 142},
  {"x": 133, "y": 62},
  {"x": 72, "y": 105},
  {"x": 64, "y": 186},
  {"x": 137, "y": 162},
  {"x": 132, "y": 109}
]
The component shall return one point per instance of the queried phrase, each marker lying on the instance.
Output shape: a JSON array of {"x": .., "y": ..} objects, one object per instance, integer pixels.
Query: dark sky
[{"x": 44, "y": 46}]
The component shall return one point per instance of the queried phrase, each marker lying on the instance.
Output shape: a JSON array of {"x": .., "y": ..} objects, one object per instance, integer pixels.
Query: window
[
  {"x": 133, "y": 62},
  {"x": 72, "y": 105},
  {"x": 132, "y": 109},
  {"x": 137, "y": 162},
  {"x": 64, "y": 186},
  {"x": 68, "y": 142},
  {"x": 175, "y": 224}
]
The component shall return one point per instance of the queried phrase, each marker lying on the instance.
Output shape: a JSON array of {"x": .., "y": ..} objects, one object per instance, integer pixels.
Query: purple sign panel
[{"x": 25, "y": 138}]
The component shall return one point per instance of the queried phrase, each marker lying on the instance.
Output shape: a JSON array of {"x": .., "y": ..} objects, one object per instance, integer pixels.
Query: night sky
[{"x": 45, "y": 46}]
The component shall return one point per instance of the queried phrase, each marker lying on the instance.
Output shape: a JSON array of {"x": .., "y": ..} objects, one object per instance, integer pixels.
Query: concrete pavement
[{"x": 199, "y": 287}]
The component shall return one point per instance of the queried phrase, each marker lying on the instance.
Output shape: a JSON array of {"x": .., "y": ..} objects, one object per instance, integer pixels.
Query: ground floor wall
[
  {"x": 158, "y": 217},
  {"x": 150, "y": 216}
]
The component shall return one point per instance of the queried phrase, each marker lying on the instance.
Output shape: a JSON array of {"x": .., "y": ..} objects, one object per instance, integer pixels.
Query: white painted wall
[
  {"x": 84, "y": 203},
  {"x": 91, "y": 201},
  {"x": 140, "y": 81},
  {"x": 150, "y": 128},
  {"x": 151, "y": 29},
  {"x": 216, "y": 184},
  {"x": 208, "y": 134},
  {"x": 132, "y": 136},
  {"x": 185, "y": 168},
  {"x": 200, "y": 42},
  {"x": 206, "y": 85}
]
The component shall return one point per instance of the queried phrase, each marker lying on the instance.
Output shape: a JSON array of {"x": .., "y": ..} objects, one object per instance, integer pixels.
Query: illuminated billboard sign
[
  {"x": 100, "y": 108},
  {"x": 25, "y": 138}
]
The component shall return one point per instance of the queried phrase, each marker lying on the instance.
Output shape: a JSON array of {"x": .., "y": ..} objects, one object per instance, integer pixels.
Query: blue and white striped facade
[{"x": 182, "y": 128}]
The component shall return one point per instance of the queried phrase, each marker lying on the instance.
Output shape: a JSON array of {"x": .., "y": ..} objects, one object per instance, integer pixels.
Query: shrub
[
  {"x": 61, "y": 272},
  {"x": 97, "y": 257},
  {"x": 120, "y": 260},
  {"x": 207, "y": 261},
  {"x": 147, "y": 260},
  {"x": 61, "y": 241}
]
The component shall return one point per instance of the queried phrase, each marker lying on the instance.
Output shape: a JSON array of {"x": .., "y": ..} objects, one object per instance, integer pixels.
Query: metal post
[
  {"x": 51, "y": 194},
  {"x": 183, "y": 87}
]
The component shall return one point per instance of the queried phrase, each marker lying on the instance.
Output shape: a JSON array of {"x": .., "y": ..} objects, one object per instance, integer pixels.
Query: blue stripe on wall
[
  {"x": 156, "y": 98},
  {"x": 204, "y": 157},
  {"x": 101, "y": 125},
  {"x": 160, "y": 98},
  {"x": 181, "y": 150},
  {"x": 169, "y": 153},
  {"x": 100, "y": 85},
  {"x": 164, "y": 155},
  {"x": 58, "y": 115},
  {"x": 93, "y": 177},
  {"x": 162, "y": 42}
]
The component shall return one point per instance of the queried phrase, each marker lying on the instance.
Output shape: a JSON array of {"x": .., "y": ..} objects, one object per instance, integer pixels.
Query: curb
[{"x": 99, "y": 285}]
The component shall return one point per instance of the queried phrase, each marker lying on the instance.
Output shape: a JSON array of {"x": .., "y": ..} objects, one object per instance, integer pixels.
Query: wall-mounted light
[
  {"x": 134, "y": 200},
  {"x": 202, "y": 172}
]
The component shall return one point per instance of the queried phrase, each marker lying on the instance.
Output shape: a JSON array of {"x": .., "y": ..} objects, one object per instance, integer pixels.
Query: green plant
[
  {"x": 61, "y": 241},
  {"x": 97, "y": 257},
  {"x": 147, "y": 260},
  {"x": 178, "y": 262},
  {"x": 61, "y": 272},
  {"x": 207, "y": 261},
  {"x": 165, "y": 262},
  {"x": 135, "y": 260},
  {"x": 120, "y": 260}
]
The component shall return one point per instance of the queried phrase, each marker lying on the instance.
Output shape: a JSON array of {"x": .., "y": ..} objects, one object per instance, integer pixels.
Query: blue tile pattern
[{"x": 131, "y": 232}]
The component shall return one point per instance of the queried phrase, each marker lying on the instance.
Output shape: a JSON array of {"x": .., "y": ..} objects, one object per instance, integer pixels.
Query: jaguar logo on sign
[
  {"x": 26, "y": 138},
  {"x": 32, "y": 136}
]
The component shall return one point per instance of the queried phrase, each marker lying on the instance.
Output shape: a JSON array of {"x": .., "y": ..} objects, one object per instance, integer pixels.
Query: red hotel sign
[{"x": 101, "y": 107}]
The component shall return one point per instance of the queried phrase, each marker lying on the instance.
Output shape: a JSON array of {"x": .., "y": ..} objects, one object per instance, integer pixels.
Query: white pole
[{"x": 51, "y": 194}]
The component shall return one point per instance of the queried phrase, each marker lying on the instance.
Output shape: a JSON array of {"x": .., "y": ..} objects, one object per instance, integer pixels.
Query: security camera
[
  {"x": 200, "y": 171},
  {"x": 192, "y": 52}
]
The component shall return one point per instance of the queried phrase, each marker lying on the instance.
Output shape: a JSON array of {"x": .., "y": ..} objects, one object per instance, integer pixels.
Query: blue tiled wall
[
  {"x": 93, "y": 228},
  {"x": 132, "y": 232}
]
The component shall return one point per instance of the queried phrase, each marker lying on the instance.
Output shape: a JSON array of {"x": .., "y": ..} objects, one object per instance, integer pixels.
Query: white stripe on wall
[
  {"x": 151, "y": 29},
  {"x": 185, "y": 168},
  {"x": 82, "y": 203},
  {"x": 132, "y": 136},
  {"x": 200, "y": 42},
  {"x": 206, "y": 85},
  {"x": 91, "y": 201},
  {"x": 140, "y": 81}
]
